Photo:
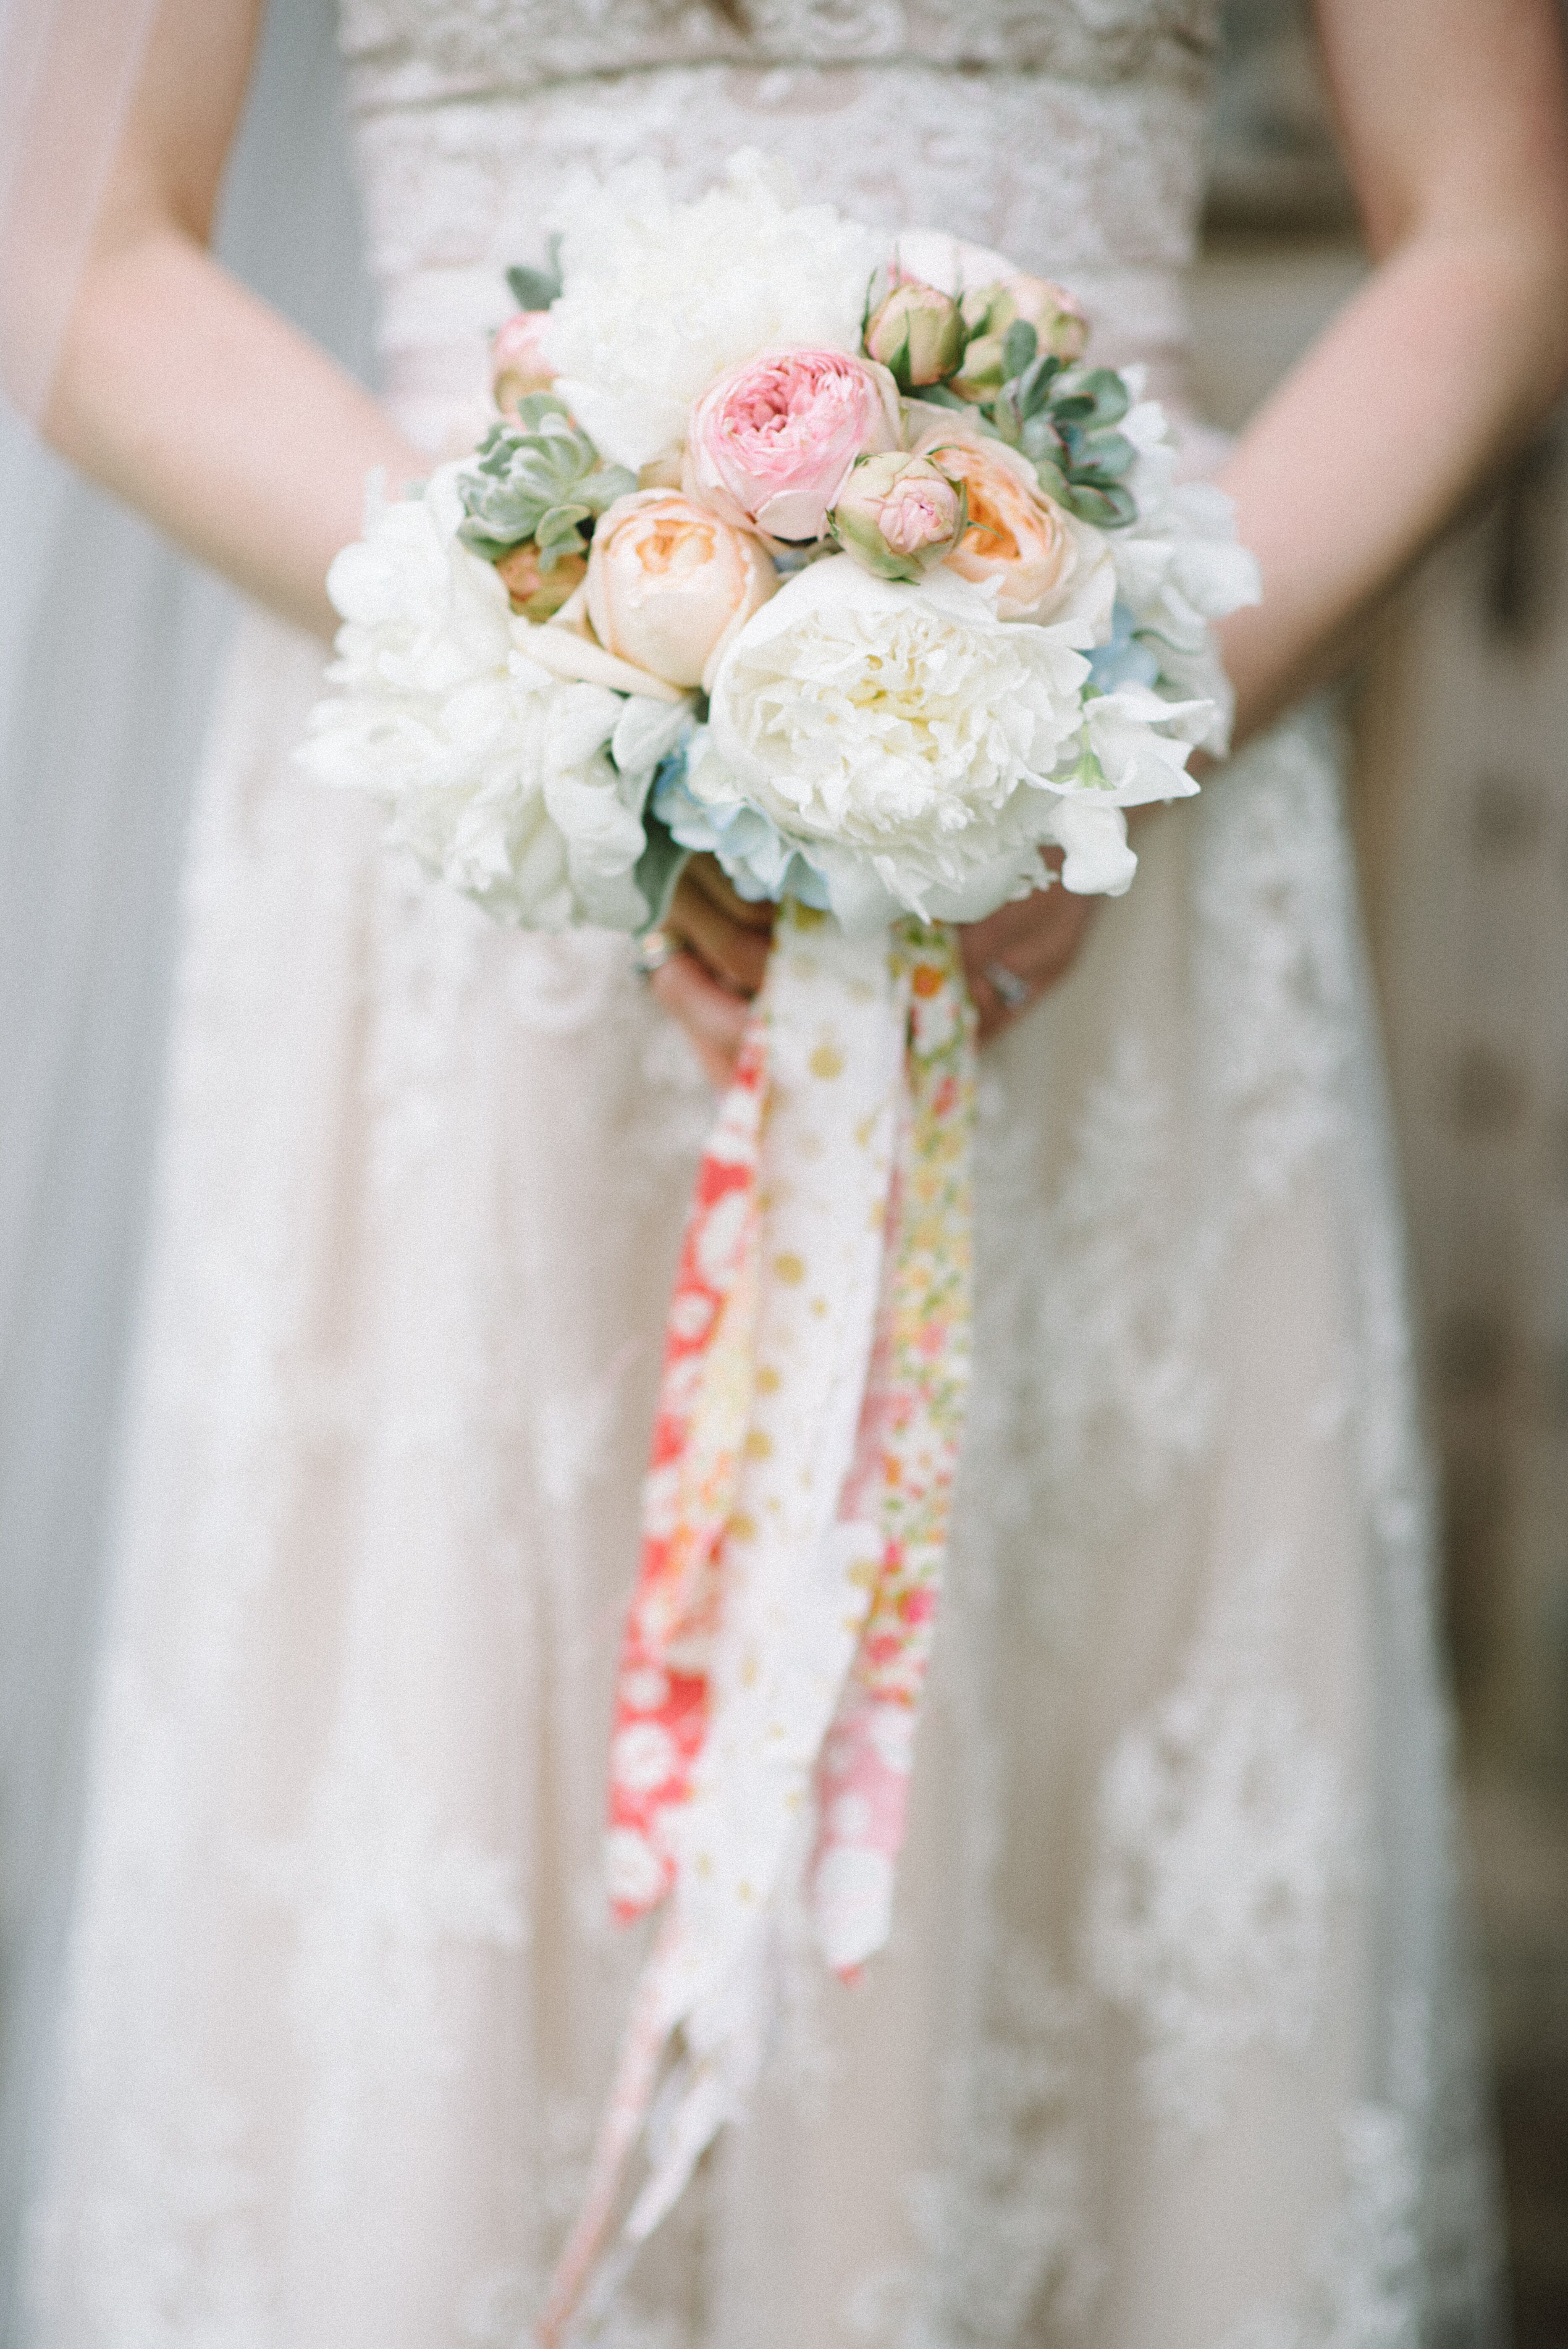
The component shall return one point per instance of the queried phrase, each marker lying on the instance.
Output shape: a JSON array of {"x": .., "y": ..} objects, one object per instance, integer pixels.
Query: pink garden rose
[
  {"x": 772, "y": 441},
  {"x": 518, "y": 364},
  {"x": 670, "y": 584}
]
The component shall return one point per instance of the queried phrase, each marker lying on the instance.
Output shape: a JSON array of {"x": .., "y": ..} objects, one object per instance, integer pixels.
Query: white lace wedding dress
[{"x": 1169, "y": 2051}]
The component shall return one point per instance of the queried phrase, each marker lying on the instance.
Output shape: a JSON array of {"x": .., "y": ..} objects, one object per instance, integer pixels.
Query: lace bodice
[
  {"x": 414, "y": 51},
  {"x": 1068, "y": 133}
]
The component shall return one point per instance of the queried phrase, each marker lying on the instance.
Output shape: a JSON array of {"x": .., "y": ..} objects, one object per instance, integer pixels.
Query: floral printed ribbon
[{"x": 795, "y": 1516}]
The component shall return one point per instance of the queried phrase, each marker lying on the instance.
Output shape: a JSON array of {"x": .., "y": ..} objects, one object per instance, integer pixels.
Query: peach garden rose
[
  {"x": 670, "y": 584},
  {"x": 1046, "y": 565}
]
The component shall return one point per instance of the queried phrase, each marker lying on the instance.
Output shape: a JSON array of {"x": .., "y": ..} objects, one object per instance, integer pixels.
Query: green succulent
[
  {"x": 540, "y": 478},
  {"x": 1064, "y": 418}
]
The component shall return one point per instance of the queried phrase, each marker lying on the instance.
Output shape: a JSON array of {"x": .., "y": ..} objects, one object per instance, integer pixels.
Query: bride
[{"x": 1170, "y": 2048}]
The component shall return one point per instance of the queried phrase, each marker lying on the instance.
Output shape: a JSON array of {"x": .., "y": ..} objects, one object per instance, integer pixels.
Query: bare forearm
[
  {"x": 1453, "y": 119},
  {"x": 180, "y": 391}
]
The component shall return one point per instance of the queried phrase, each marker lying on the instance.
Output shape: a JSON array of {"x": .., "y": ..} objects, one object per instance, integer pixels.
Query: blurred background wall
[{"x": 1461, "y": 808}]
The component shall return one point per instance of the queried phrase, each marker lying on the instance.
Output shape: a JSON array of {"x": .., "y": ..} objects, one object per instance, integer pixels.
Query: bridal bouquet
[{"x": 827, "y": 554}]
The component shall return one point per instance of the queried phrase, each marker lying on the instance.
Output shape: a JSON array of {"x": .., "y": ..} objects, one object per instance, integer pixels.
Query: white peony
[
  {"x": 904, "y": 735},
  {"x": 659, "y": 298},
  {"x": 499, "y": 774}
]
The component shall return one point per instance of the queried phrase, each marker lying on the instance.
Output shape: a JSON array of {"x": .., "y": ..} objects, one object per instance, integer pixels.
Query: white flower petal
[
  {"x": 905, "y": 735},
  {"x": 1098, "y": 860},
  {"x": 661, "y": 297},
  {"x": 494, "y": 770}
]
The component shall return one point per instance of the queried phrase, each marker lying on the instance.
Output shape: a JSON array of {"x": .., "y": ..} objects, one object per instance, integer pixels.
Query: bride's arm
[
  {"x": 1455, "y": 126},
  {"x": 180, "y": 390}
]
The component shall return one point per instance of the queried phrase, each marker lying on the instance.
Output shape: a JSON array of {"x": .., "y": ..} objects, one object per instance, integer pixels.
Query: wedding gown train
[{"x": 1169, "y": 2050}]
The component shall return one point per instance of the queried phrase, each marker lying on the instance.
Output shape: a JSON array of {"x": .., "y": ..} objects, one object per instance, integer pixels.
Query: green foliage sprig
[
  {"x": 1063, "y": 418},
  {"x": 540, "y": 478},
  {"x": 536, "y": 289}
]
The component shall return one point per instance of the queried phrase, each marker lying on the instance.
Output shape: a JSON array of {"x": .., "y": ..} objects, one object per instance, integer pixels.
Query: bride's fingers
[
  {"x": 733, "y": 951},
  {"x": 1016, "y": 954},
  {"x": 713, "y": 1017},
  {"x": 706, "y": 875}
]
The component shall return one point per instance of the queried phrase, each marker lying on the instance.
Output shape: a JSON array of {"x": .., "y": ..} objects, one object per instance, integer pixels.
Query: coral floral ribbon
[{"x": 795, "y": 1518}]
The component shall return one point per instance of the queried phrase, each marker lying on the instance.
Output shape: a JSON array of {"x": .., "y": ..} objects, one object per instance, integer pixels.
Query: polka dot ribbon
[{"x": 794, "y": 1524}]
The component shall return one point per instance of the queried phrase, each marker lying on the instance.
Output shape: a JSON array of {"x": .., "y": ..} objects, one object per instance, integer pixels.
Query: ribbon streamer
[{"x": 795, "y": 1515}]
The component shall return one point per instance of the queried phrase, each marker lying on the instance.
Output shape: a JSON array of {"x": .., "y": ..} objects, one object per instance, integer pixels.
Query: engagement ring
[
  {"x": 655, "y": 949},
  {"x": 1013, "y": 991}
]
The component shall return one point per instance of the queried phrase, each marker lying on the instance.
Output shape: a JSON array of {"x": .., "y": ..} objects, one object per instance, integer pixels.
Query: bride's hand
[
  {"x": 1017, "y": 953},
  {"x": 723, "y": 941}
]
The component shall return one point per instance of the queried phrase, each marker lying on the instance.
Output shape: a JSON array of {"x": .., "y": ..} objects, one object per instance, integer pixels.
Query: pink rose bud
[
  {"x": 518, "y": 364},
  {"x": 897, "y": 514},
  {"x": 1059, "y": 326},
  {"x": 670, "y": 584},
  {"x": 917, "y": 332},
  {"x": 772, "y": 441}
]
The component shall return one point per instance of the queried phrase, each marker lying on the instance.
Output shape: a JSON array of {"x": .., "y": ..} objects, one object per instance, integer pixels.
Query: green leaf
[
  {"x": 1109, "y": 509},
  {"x": 1039, "y": 438},
  {"x": 485, "y": 542},
  {"x": 1031, "y": 391},
  {"x": 1019, "y": 346},
  {"x": 938, "y": 394},
  {"x": 1109, "y": 395},
  {"x": 658, "y": 868},
  {"x": 898, "y": 367},
  {"x": 602, "y": 488},
  {"x": 1003, "y": 419},
  {"x": 536, "y": 289},
  {"x": 557, "y": 529},
  {"x": 1112, "y": 454},
  {"x": 536, "y": 409}
]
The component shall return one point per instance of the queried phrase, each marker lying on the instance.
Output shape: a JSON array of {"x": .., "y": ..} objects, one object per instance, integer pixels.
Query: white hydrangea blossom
[
  {"x": 1178, "y": 567},
  {"x": 661, "y": 297},
  {"x": 498, "y": 773}
]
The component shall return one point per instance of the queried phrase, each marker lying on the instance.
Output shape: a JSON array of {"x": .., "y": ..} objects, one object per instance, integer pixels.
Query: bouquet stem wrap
[{"x": 795, "y": 1518}]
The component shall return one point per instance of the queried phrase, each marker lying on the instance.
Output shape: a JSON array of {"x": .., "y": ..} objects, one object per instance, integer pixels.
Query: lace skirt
[{"x": 1170, "y": 2049}]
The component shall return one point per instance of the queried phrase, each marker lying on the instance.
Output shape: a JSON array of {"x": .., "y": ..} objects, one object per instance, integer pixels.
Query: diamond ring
[
  {"x": 654, "y": 948},
  {"x": 1013, "y": 991}
]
